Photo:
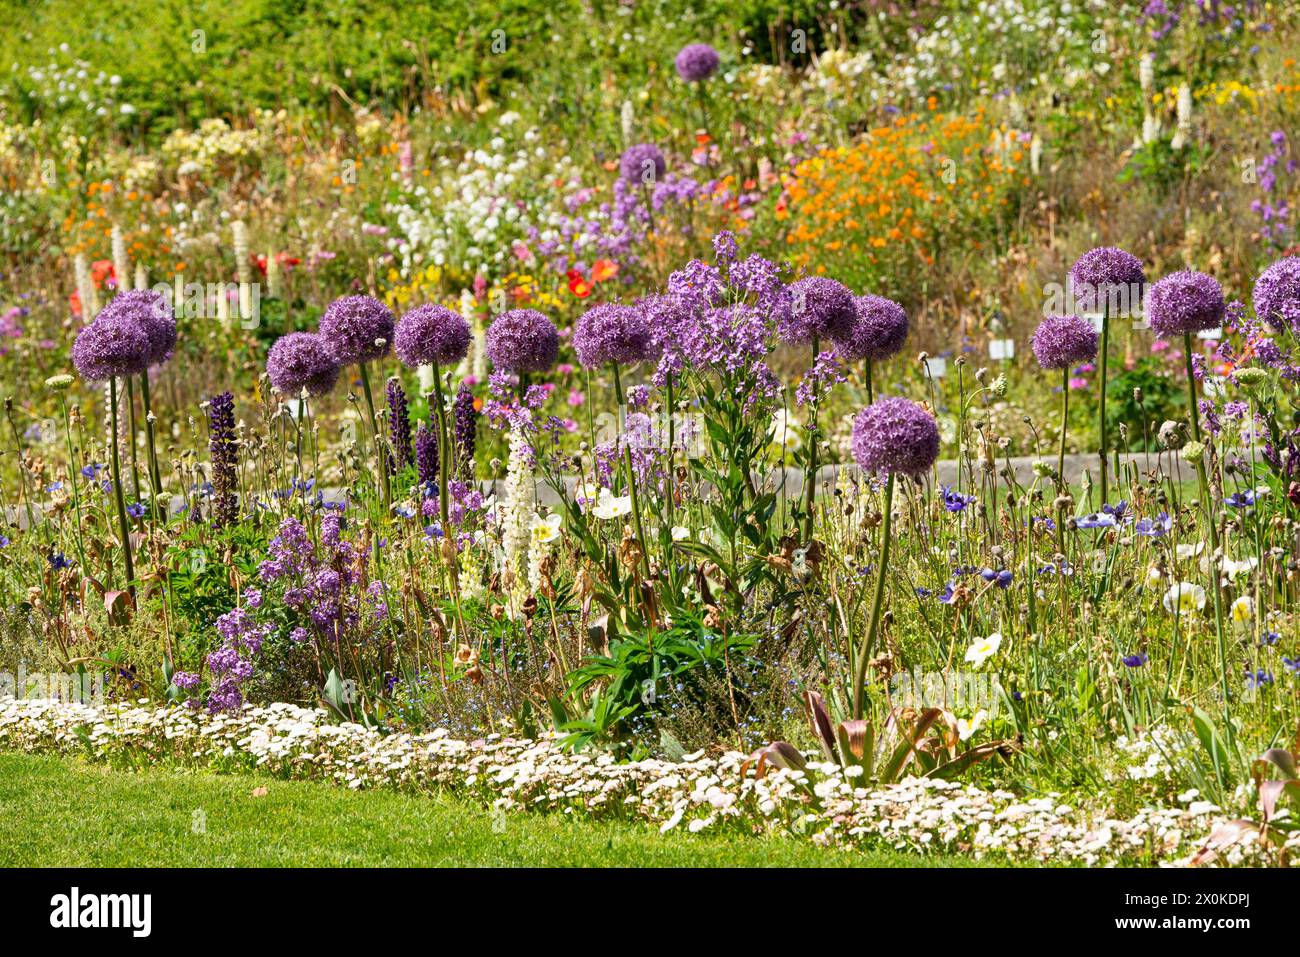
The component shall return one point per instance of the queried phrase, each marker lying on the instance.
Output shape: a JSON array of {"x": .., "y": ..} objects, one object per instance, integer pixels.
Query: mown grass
[{"x": 57, "y": 811}]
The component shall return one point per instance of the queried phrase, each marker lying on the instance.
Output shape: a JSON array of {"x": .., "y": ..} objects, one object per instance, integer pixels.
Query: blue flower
[
  {"x": 1002, "y": 578},
  {"x": 1097, "y": 520},
  {"x": 136, "y": 510},
  {"x": 1156, "y": 527},
  {"x": 1257, "y": 679},
  {"x": 1136, "y": 661},
  {"x": 4, "y": 540},
  {"x": 955, "y": 501},
  {"x": 1240, "y": 499},
  {"x": 1116, "y": 511},
  {"x": 1292, "y": 664},
  {"x": 946, "y": 595},
  {"x": 58, "y": 560},
  {"x": 1043, "y": 520}
]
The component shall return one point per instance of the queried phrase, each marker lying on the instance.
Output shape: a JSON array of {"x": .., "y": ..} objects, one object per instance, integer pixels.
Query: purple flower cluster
[
  {"x": 231, "y": 665},
  {"x": 432, "y": 335},
  {"x": 1185, "y": 302},
  {"x": 523, "y": 340},
  {"x": 1275, "y": 226},
  {"x": 1063, "y": 341},
  {"x": 107, "y": 350},
  {"x": 1277, "y": 294},
  {"x": 150, "y": 312},
  {"x": 696, "y": 62},
  {"x": 426, "y": 456},
  {"x": 613, "y": 333},
  {"x": 642, "y": 164},
  {"x": 399, "y": 425},
  {"x": 357, "y": 329},
  {"x": 895, "y": 436},
  {"x": 301, "y": 360},
  {"x": 879, "y": 330},
  {"x": 464, "y": 429},
  {"x": 1107, "y": 278},
  {"x": 820, "y": 308},
  {"x": 825, "y": 374},
  {"x": 224, "y": 449}
]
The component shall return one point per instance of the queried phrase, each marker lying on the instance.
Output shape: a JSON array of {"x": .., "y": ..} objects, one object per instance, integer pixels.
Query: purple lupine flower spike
[
  {"x": 399, "y": 424},
  {"x": 224, "y": 448}
]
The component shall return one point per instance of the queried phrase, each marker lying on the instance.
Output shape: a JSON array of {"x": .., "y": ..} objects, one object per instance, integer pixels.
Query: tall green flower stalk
[{"x": 116, "y": 461}]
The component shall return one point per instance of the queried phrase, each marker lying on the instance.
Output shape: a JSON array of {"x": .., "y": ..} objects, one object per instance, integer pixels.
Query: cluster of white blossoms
[{"x": 696, "y": 793}]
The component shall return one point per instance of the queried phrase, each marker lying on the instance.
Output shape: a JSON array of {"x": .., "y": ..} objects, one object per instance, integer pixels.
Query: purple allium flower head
[
  {"x": 1063, "y": 341},
  {"x": 357, "y": 329},
  {"x": 224, "y": 448},
  {"x": 820, "y": 308},
  {"x": 1104, "y": 274},
  {"x": 1184, "y": 302},
  {"x": 642, "y": 163},
  {"x": 895, "y": 435},
  {"x": 301, "y": 360},
  {"x": 432, "y": 335},
  {"x": 878, "y": 332},
  {"x": 613, "y": 332},
  {"x": 108, "y": 348},
  {"x": 523, "y": 340},
  {"x": 1277, "y": 294},
  {"x": 696, "y": 62},
  {"x": 149, "y": 311}
]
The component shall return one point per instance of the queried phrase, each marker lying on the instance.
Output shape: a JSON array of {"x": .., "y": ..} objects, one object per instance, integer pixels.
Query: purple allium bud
[
  {"x": 895, "y": 435},
  {"x": 642, "y": 163},
  {"x": 465, "y": 426},
  {"x": 1104, "y": 274},
  {"x": 1063, "y": 341},
  {"x": 152, "y": 314},
  {"x": 224, "y": 448},
  {"x": 613, "y": 332},
  {"x": 109, "y": 348},
  {"x": 820, "y": 307},
  {"x": 523, "y": 340},
  {"x": 879, "y": 330},
  {"x": 1277, "y": 294},
  {"x": 1184, "y": 302},
  {"x": 432, "y": 335},
  {"x": 357, "y": 329},
  {"x": 696, "y": 62},
  {"x": 399, "y": 424},
  {"x": 426, "y": 455},
  {"x": 301, "y": 360}
]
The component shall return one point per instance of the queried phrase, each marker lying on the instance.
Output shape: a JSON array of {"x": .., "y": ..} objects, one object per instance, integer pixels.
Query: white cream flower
[
  {"x": 965, "y": 729},
  {"x": 612, "y": 506},
  {"x": 1243, "y": 610},
  {"x": 982, "y": 649},
  {"x": 545, "y": 529},
  {"x": 1185, "y": 597}
]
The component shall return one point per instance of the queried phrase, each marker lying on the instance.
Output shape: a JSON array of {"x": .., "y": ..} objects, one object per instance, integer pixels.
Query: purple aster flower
[
  {"x": 879, "y": 330},
  {"x": 152, "y": 314},
  {"x": 820, "y": 308},
  {"x": 301, "y": 360},
  {"x": 1185, "y": 302},
  {"x": 1107, "y": 277},
  {"x": 523, "y": 340},
  {"x": 357, "y": 329},
  {"x": 895, "y": 435},
  {"x": 109, "y": 348},
  {"x": 613, "y": 332},
  {"x": 1277, "y": 294},
  {"x": 431, "y": 335},
  {"x": 696, "y": 62},
  {"x": 642, "y": 163},
  {"x": 1063, "y": 341}
]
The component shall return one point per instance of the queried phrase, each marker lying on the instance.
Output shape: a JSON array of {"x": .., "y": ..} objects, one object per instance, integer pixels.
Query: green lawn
[{"x": 57, "y": 811}]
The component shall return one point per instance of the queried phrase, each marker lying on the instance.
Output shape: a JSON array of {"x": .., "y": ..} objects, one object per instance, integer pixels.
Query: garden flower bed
[{"x": 696, "y": 793}]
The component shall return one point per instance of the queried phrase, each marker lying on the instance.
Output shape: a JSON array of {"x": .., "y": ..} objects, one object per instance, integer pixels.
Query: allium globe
[
  {"x": 696, "y": 62},
  {"x": 357, "y": 329},
  {"x": 523, "y": 340},
  {"x": 613, "y": 333},
  {"x": 895, "y": 436},
  {"x": 1185, "y": 302},
  {"x": 1107, "y": 274},
  {"x": 301, "y": 360},
  {"x": 150, "y": 311},
  {"x": 879, "y": 330},
  {"x": 1277, "y": 294},
  {"x": 642, "y": 163},
  {"x": 432, "y": 335},
  {"x": 820, "y": 308},
  {"x": 110, "y": 348},
  {"x": 1063, "y": 341}
]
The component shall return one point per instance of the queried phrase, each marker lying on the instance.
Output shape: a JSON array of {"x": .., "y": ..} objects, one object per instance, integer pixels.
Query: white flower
[
  {"x": 546, "y": 529},
  {"x": 1233, "y": 568},
  {"x": 967, "y": 728},
  {"x": 982, "y": 649},
  {"x": 681, "y": 533},
  {"x": 1243, "y": 610},
  {"x": 1191, "y": 550},
  {"x": 612, "y": 506},
  {"x": 1184, "y": 596}
]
